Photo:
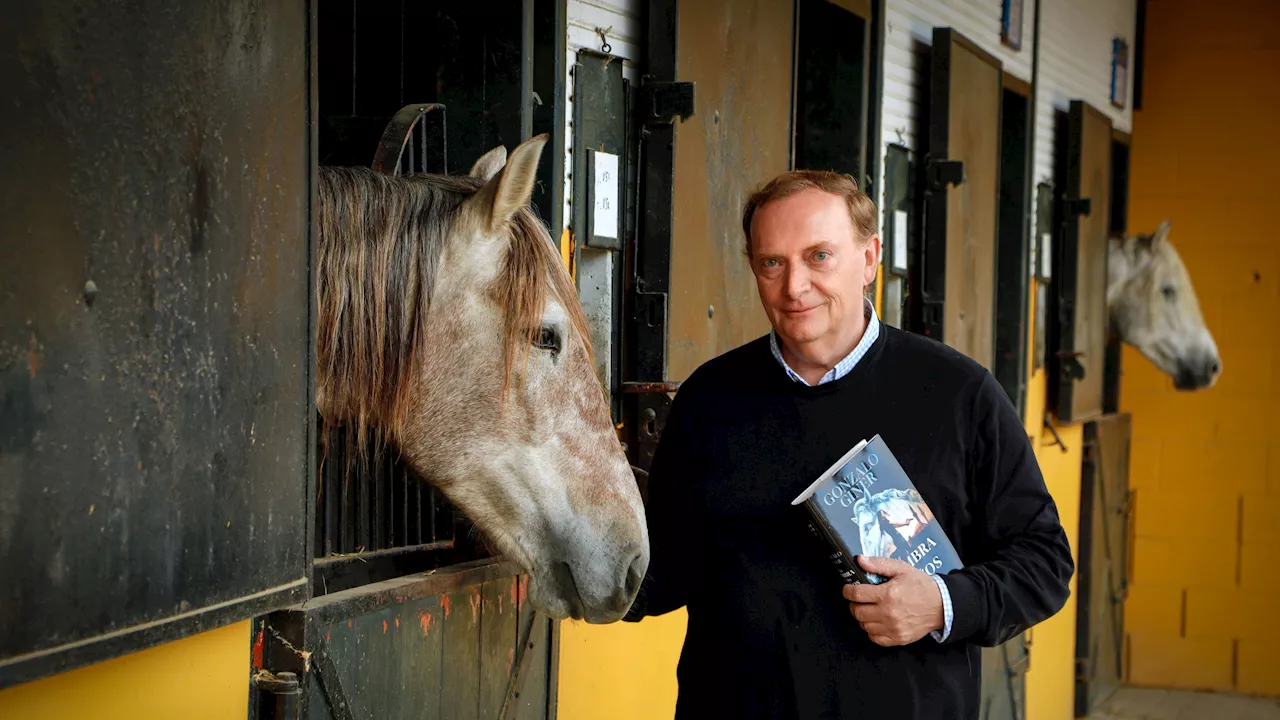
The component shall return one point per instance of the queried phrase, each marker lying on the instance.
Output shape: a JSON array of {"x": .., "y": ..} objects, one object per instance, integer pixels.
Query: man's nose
[{"x": 796, "y": 281}]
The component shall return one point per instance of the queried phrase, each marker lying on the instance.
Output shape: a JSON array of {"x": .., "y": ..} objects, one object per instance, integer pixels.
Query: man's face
[{"x": 811, "y": 270}]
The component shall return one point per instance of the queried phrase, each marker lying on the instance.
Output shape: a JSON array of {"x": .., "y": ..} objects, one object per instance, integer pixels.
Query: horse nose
[{"x": 1194, "y": 376}]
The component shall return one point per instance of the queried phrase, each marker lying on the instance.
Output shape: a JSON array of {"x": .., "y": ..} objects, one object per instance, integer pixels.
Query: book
[{"x": 865, "y": 504}]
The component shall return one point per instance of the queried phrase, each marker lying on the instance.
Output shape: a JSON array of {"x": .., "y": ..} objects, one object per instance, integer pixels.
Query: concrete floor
[{"x": 1149, "y": 704}]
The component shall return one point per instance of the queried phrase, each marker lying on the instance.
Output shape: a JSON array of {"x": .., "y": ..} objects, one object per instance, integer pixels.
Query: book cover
[{"x": 865, "y": 504}]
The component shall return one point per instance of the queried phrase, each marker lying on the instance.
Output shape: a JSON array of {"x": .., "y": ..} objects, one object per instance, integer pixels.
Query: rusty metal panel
[
  {"x": 155, "y": 322},
  {"x": 739, "y": 54},
  {"x": 1104, "y": 551}
]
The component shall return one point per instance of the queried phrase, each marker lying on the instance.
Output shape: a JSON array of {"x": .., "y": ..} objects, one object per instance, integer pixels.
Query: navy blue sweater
[{"x": 769, "y": 634}]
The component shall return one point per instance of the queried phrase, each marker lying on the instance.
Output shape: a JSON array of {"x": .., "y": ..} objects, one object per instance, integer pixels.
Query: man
[{"x": 771, "y": 632}]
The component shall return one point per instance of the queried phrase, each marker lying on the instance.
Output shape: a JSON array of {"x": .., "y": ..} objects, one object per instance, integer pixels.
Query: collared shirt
[{"x": 841, "y": 369}]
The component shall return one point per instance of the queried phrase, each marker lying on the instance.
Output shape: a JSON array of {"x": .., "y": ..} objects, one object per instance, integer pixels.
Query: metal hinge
[
  {"x": 660, "y": 102},
  {"x": 1071, "y": 367},
  {"x": 938, "y": 174}
]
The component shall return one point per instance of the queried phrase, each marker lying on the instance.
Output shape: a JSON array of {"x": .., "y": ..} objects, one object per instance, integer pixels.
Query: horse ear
[
  {"x": 489, "y": 163},
  {"x": 512, "y": 187},
  {"x": 1161, "y": 233}
]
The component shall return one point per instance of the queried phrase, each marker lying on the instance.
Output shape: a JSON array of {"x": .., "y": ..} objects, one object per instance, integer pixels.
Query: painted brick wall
[{"x": 1201, "y": 612}]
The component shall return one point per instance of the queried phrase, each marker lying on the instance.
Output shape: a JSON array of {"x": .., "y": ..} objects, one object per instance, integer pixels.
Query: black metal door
[
  {"x": 954, "y": 296},
  {"x": 1103, "y": 574},
  {"x": 461, "y": 642},
  {"x": 1077, "y": 350},
  {"x": 155, "y": 323}
]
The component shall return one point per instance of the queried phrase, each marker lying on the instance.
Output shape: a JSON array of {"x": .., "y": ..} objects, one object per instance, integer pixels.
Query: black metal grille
[{"x": 376, "y": 506}]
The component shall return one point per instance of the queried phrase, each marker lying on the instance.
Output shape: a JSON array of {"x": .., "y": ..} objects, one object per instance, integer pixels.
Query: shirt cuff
[{"x": 947, "y": 612}]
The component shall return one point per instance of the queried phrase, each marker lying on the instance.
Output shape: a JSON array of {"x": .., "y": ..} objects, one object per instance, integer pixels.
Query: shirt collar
[{"x": 849, "y": 361}]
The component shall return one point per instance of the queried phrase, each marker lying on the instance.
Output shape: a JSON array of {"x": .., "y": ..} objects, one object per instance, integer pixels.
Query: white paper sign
[
  {"x": 899, "y": 259},
  {"x": 605, "y": 214},
  {"x": 1046, "y": 257}
]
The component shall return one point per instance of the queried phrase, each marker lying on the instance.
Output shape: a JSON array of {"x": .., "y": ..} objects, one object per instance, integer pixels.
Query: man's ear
[
  {"x": 872, "y": 255},
  {"x": 512, "y": 187}
]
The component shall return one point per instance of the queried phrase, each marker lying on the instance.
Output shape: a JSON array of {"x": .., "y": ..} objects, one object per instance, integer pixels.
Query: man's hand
[{"x": 902, "y": 609}]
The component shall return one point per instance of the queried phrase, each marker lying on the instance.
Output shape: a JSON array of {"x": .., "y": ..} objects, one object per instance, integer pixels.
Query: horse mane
[{"x": 380, "y": 238}]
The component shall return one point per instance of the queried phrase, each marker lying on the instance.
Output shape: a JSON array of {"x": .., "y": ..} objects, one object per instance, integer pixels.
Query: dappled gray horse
[
  {"x": 449, "y": 324},
  {"x": 1153, "y": 307}
]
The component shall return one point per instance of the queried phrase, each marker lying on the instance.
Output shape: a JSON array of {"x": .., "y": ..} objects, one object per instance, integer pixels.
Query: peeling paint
[
  {"x": 444, "y": 603},
  {"x": 424, "y": 619},
  {"x": 257, "y": 651},
  {"x": 34, "y": 357}
]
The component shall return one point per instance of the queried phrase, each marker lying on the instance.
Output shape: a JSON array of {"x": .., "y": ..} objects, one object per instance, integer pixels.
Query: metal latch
[
  {"x": 660, "y": 102},
  {"x": 941, "y": 173}
]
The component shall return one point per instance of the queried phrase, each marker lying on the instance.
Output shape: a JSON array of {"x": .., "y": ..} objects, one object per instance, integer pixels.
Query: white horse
[
  {"x": 1153, "y": 307},
  {"x": 448, "y": 323}
]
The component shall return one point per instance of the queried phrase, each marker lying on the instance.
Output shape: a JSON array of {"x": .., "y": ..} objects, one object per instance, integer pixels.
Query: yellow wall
[
  {"x": 205, "y": 676},
  {"x": 1051, "y": 674},
  {"x": 1201, "y": 610},
  {"x": 623, "y": 671}
]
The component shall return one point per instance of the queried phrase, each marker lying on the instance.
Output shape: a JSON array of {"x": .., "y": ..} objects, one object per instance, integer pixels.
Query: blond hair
[{"x": 862, "y": 210}]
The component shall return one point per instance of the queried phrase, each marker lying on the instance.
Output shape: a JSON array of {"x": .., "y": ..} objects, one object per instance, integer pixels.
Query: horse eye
[
  {"x": 547, "y": 339},
  {"x": 1170, "y": 292}
]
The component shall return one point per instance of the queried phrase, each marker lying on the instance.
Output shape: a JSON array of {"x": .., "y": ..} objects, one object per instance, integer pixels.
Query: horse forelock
[
  {"x": 381, "y": 238},
  {"x": 531, "y": 268}
]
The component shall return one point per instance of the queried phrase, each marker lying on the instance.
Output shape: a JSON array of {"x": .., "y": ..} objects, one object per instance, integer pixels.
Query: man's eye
[
  {"x": 821, "y": 255},
  {"x": 771, "y": 263}
]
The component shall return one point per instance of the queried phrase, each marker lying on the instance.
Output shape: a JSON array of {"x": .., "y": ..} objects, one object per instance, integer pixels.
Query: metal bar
[
  {"x": 526, "y": 70},
  {"x": 422, "y": 161},
  {"x": 386, "y": 159},
  {"x": 515, "y": 684},
  {"x": 431, "y": 499},
  {"x": 344, "y": 503},
  {"x": 404, "y": 505},
  {"x": 376, "y": 554},
  {"x": 362, "y": 504},
  {"x": 330, "y": 491},
  {"x": 378, "y": 539},
  {"x": 341, "y": 605},
  {"x": 417, "y": 517},
  {"x": 331, "y": 683}
]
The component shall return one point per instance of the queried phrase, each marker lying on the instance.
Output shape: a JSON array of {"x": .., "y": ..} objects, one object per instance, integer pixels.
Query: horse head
[
  {"x": 449, "y": 323},
  {"x": 1153, "y": 307}
]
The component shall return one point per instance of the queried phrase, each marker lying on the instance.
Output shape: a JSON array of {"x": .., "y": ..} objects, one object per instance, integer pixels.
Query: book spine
[{"x": 846, "y": 565}]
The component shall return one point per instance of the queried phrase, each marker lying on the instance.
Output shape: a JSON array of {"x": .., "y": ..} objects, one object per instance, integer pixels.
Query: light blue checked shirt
[{"x": 841, "y": 369}]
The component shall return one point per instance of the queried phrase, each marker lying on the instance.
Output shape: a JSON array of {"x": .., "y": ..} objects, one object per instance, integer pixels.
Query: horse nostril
[
  {"x": 1214, "y": 368},
  {"x": 635, "y": 575}
]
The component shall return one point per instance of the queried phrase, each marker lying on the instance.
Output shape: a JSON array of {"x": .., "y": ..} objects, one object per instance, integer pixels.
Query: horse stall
[{"x": 411, "y": 614}]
